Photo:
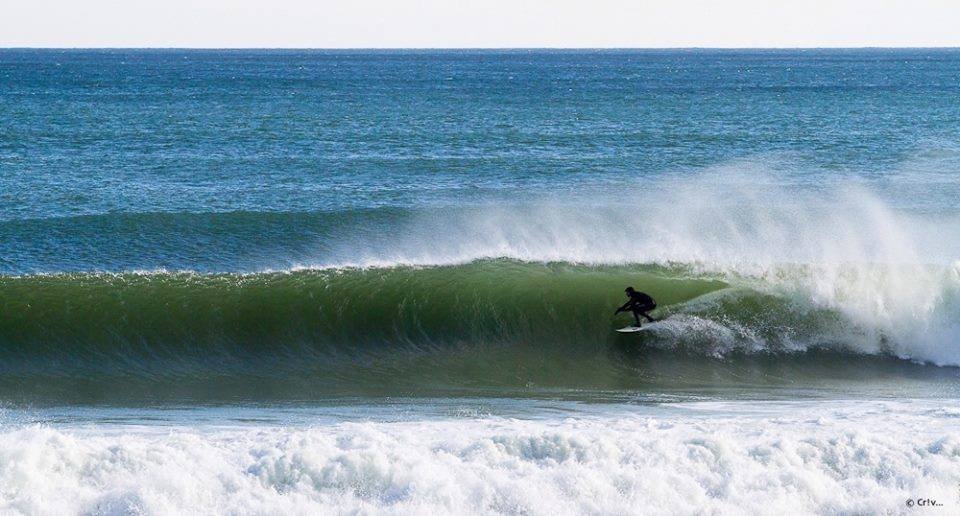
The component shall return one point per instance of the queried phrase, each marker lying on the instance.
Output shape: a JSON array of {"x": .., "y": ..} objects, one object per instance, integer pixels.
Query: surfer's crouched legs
[{"x": 642, "y": 310}]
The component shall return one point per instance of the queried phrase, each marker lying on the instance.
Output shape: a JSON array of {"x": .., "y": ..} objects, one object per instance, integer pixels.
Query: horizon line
[{"x": 865, "y": 47}]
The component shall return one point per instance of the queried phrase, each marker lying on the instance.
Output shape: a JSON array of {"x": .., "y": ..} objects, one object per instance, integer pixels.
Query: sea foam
[{"x": 719, "y": 458}]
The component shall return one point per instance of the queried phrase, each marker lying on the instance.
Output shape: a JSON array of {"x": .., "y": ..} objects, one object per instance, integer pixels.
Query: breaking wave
[
  {"x": 487, "y": 323},
  {"x": 513, "y": 295}
]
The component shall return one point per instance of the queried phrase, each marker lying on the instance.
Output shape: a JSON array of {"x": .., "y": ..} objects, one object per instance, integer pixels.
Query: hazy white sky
[{"x": 475, "y": 23}]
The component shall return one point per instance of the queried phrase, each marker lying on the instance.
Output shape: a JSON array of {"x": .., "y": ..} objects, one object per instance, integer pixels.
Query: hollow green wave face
[
  {"x": 486, "y": 326},
  {"x": 327, "y": 312}
]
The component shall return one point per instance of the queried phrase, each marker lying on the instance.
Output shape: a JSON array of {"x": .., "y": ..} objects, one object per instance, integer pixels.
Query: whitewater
[{"x": 686, "y": 458}]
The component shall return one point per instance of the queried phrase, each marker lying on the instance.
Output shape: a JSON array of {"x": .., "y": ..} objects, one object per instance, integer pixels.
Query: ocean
[{"x": 365, "y": 282}]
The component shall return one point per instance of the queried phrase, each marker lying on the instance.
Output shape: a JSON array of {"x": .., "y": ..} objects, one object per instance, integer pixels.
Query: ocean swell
[{"x": 472, "y": 319}]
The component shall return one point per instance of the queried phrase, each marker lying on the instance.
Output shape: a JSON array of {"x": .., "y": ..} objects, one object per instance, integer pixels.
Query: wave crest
[{"x": 185, "y": 319}]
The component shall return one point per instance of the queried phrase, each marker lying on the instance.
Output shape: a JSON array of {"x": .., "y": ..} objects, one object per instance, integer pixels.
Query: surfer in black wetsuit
[{"x": 639, "y": 304}]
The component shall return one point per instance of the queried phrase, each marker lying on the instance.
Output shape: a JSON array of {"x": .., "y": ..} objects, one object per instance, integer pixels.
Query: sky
[{"x": 479, "y": 24}]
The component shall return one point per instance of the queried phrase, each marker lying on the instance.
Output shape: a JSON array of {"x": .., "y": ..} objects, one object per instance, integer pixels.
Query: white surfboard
[{"x": 634, "y": 329}]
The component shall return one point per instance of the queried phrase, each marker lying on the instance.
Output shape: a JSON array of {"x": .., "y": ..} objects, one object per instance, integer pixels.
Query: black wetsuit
[{"x": 639, "y": 304}]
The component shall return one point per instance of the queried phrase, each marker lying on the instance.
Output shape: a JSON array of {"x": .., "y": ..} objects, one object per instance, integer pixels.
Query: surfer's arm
[{"x": 624, "y": 307}]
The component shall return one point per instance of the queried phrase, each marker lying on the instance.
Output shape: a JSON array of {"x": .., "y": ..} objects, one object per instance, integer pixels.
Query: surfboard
[{"x": 634, "y": 329}]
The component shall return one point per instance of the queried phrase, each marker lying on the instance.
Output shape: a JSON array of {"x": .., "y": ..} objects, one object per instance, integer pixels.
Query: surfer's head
[{"x": 629, "y": 290}]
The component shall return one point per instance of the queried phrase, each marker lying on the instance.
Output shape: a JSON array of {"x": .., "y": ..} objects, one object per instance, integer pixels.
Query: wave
[
  {"x": 486, "y": 323},
  {"x": 745, "y": 266},
  {"x": 801, "y": 458}
]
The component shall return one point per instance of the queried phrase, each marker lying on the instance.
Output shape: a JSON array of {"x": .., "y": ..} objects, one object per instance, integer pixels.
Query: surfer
[{"x": 639, "y": 303}]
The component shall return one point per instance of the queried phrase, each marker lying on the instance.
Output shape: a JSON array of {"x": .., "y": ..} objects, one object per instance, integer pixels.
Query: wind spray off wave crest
[
  {"x": 888, "y": 269},
  {"x": 726, "y": 219}
]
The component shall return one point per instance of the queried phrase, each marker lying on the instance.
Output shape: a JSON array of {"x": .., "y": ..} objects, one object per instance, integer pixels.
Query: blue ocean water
[
  {"x": 124, "y": 159},
  {"x": 262, "y": 281}
]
